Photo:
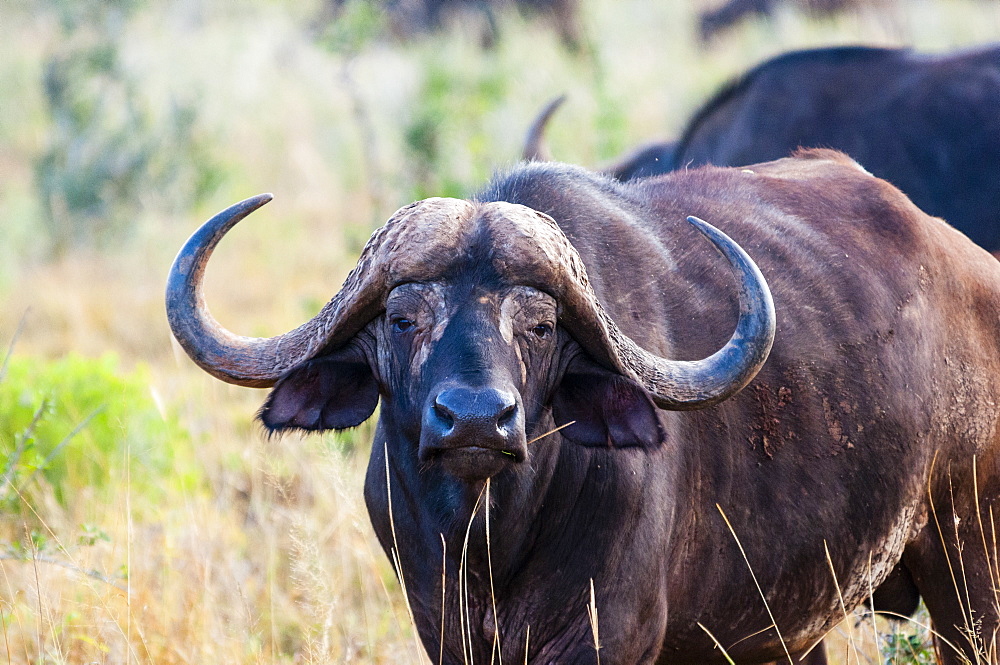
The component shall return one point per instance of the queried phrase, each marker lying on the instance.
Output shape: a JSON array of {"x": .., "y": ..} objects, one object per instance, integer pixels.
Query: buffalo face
[
  {"x": 477, "y": 327},
  {"x": 465, "y": 365},
  {"x": 466, "y": 370},
  {"x": 473, "y": 368}
]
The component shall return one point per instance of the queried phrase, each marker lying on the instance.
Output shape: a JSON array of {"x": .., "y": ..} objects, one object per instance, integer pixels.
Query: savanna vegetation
[{"x": 144, "y": 518}]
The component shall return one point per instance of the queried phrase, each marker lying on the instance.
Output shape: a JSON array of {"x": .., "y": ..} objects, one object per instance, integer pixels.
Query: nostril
[
  {"x": 507, "y": 415},
  {"x": 444, "y": 414},
  {"x": 464, "y": 414}
]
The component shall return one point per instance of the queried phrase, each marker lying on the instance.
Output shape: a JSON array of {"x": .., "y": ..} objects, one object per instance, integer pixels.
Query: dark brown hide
[
  {"x": 732, "y": 12},
  {"x": 867, "y": 442},
  {"x": 926, "y": 123}
]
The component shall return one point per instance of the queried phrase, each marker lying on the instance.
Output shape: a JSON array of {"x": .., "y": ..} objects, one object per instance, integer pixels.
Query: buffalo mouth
[
  {"x": 471, "y": 462},
  {"x": 472, "y": 432}
]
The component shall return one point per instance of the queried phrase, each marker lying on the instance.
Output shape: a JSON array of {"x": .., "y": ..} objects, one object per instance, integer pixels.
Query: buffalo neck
[{"x": 565, "y": 499}]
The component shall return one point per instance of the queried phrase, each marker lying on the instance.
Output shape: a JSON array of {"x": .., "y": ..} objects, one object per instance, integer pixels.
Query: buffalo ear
[
  {"x": 609, "y": 410},
  {"x": 332, "y": 392}
]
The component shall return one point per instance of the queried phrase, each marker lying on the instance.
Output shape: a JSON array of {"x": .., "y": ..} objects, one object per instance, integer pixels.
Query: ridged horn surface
[
  {"x": 413, "y": 243},
  {"x": 546, "y": 259}
]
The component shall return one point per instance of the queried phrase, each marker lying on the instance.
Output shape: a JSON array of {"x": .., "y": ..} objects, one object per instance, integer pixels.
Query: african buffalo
[
  {"x": 569, "y": 423},
  {"x": 646, "y": 160},
  {"x": 725, "y": 16},
  {"x": 409, "y": 17},
  {"x": 928, "y": 124}
]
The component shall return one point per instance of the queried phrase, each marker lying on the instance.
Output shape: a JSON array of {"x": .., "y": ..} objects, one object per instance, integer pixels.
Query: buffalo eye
[
  {"x": 542, "y": 330},
  {"x": 402, "y": 325}
]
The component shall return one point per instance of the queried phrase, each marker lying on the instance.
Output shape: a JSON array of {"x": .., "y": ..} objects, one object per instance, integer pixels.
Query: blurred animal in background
[
  {"x": 646, "y": 160},
  {"x": 587, "y": 440},
  {"x": 722, "y": 18},
  {"x": 928, "y": 124},
  {"x": 407, "y": 18}
]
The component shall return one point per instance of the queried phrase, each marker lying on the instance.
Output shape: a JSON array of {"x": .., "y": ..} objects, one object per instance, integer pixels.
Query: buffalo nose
[
  {"x": 487, "y": 410},
  {"x": 484, "y": 417}
]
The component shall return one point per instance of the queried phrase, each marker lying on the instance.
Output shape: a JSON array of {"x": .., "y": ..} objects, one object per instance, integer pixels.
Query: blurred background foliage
[
  {"x": 71, "y": 426},
  {"x": 168, "y": 529},
  {"x": 110, "y": 148}
]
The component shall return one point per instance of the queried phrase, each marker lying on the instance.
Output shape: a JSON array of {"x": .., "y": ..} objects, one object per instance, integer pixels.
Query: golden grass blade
[
  {"x": 38, "y": 590},
  {"x": 996, "y": 559},
  {"x": 754, "y": 634},
  {"x": 719, "y": 646},
  {"x": 551, "y": 431},
  {"x": 982, "y": 530},
  {"x": 129, "y": 534},
  {"x": 463, "y": 600},
  {"x": 967, "y": 616},
  {"x": 387, "y": 593},
  {"x": 966, "y": 613},
  {"x": 396, "y": 562},
  {"x": 843, "y": 607},
  {"x": 17, "y": 616},
  {"x": 909, "y": 619},
  {"x": 594, "y": 624},
  {"x": 497, "y": 650},
  {"x": 463, "y": 577},
  {"x": 756, "y": 583},
  {"x": 444, "y": 578},
  {"x": 937, "y": 524},
  {"x": 3, "y": 619},
  {"x": 871, "y": 599},
  {"x": 65, "y": 551}
]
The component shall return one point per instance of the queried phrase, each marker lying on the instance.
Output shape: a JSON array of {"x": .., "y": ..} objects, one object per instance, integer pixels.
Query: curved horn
[
  {"x": 684, "y": 385},
  {"x": 535, "y": 148},
  {"x": 545, "y": 258},
  {"x": 260, "y": 362}
]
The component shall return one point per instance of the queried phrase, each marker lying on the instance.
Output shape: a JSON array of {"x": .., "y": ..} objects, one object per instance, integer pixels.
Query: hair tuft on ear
[
  {"x": 609, "y": 410},
  {"x": 331, "y": 392}
]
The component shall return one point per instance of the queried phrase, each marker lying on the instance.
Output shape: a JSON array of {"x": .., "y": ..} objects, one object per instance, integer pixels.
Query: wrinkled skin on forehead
[{"x": 465, "y": 312}]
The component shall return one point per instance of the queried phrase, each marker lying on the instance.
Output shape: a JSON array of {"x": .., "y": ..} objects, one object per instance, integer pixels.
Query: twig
[
  {"x": 13, "y": 341},
  {"x": 551, "y": 431},
  {"x": 59, "y": 447},
  {"x": 25, "y": 558},
  {"x": 15, "y": 456}
]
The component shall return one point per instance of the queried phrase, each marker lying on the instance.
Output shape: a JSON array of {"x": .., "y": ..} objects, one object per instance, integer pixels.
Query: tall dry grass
[{"x": 271, "y": 558}]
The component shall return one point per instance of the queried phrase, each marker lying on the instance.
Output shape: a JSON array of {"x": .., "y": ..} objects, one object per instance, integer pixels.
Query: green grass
[{"x": 74, "y": 424}]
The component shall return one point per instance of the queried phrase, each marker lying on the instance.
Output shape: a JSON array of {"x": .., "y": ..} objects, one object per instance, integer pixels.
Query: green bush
[
  {"x": 71, "y": 424},
  {"x": 110, "y": 150},
  {"x": 446, "y": 138},
  {"x": 909, "y": 642}
]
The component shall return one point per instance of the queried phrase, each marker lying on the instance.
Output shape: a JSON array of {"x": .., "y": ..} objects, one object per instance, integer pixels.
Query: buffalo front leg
[{"x": 954, "y": 566}]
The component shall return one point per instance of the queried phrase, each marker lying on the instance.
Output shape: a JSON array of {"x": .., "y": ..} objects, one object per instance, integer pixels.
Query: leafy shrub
[
  {"x": 72, "y": 423},
  {"x": 908, "y": 649},
  {"x": 109, "y": 150},
  {"x": 909, "y": 643},
  {"x": 446, "y": 136}
]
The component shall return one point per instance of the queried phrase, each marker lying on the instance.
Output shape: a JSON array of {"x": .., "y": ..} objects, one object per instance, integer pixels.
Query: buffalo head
[{"x": 477, "y": 327}]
